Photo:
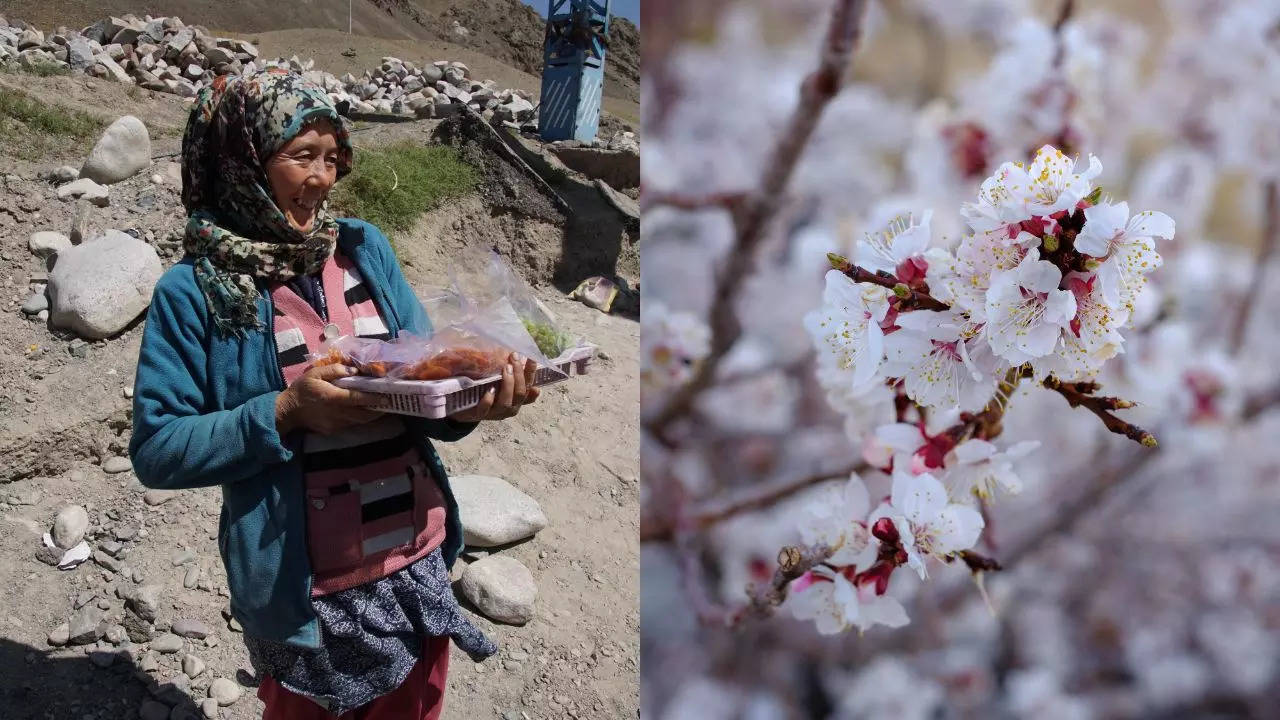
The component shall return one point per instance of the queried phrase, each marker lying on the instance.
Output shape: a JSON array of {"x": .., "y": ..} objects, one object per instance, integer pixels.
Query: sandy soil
[{"x": 575, "y": 451}]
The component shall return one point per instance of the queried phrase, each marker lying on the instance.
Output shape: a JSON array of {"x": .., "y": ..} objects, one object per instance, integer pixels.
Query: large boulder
[
  {"x": 494, "y": 512},
  {"x": 501, "y": 588},
  {"x": 79, "y": 53},
  {"x": 122, "y": 151},
  {"x": 98, "y": 288}
]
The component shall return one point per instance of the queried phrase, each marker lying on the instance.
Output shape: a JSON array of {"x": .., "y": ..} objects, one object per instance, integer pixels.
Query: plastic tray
[{"x": 440, "y": 398}]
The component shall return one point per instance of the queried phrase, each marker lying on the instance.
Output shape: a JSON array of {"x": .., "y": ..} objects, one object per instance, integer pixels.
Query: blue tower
[{"x": 573, "y": 69}]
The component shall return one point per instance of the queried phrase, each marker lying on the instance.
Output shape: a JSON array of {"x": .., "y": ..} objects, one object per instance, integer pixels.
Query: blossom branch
[
  {"x": 911, "y": 299},
  {"x": 793, "y": 561},
  {"x": 759, "y": 208},
  {"x": 681, "y": 201},
  {"x": 1270, "y": 237},
  {"x": 1077, "y": 395},
  {"x": 754, "y": 498}
]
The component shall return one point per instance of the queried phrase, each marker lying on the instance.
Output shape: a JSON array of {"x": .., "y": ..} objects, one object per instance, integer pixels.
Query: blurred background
[{"x": 1137, "y": 583}]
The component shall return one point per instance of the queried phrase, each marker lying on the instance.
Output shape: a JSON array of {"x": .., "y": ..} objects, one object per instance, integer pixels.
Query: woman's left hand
[{"x": 504, "y": 401}]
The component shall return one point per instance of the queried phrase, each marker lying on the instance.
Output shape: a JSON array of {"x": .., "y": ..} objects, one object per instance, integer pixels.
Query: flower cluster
[
  {"x": 1046, "y": 276},
  {"x": 1045, "y": 279}
]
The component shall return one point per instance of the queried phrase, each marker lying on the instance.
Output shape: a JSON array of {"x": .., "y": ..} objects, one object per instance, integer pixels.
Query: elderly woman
[{"x": 338, "y": 525}]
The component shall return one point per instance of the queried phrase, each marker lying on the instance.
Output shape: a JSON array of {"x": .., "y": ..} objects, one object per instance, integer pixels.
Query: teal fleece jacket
[{"x": 204, "y": 415}]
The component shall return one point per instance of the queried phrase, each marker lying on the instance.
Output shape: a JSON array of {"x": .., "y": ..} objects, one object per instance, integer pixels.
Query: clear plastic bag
[
  {"x": 476, "y": 347},
  {"x": 482, "y": 277}
]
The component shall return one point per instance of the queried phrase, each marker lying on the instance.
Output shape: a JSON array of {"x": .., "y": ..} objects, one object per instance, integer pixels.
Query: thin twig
[
  {"x": 753, "y": 498},
  {"x": 1267, "y": 248},
  {"x": 1102, "y": 407},
  {"x": 793, "y": 561},
  {"x": 759, "y": 209}
]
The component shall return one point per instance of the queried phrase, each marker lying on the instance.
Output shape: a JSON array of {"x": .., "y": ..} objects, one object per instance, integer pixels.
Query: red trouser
[{"x": 420, "y": 697}]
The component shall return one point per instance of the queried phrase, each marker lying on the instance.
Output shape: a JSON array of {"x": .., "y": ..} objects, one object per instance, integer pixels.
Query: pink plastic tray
[{"x": 441, "y": 398}]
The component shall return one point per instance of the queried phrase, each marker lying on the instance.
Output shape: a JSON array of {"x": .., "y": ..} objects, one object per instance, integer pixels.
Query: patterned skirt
[{"x": 371, "y": 637}]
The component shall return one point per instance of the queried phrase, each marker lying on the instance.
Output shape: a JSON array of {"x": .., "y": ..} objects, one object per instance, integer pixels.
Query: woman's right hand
[{"x": 313, "y": 402}]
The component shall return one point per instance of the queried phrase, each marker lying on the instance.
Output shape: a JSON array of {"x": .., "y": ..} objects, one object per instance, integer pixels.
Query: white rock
[
  {"x": 192, "y": 666},
  {"x": 501, "y": 588},
  {"x": 69, "y": 526},
  {"x": 116, "y": 464},
  {"x": 46, "y": 243},
  {"x": 122, "y": 151},
  {"x": 168, "y": 643},
  {"x": 114, "y": 71},
  {"x": 494, "y": 512},
  {"x": 98, "y": 288},
  {"x": 63, "y": 174},
  {"x": 225, "y": 691},
  {"x": 86, "y": 189},
  {"x": 209, "y": 708}
]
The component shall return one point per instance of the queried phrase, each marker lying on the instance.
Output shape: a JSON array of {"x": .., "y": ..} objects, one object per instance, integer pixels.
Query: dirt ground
[{"x": 575, "y": 451}]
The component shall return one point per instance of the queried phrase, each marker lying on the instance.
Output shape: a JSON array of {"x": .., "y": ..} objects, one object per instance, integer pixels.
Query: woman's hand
[
  {"x": 315, "y": 403},
  {"x": 505, "y": 400}
]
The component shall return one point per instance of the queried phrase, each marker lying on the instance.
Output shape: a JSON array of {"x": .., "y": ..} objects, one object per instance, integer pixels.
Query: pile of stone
[
  {"x": 166, "y": 55},
  {"x": 495, "y": 515}
]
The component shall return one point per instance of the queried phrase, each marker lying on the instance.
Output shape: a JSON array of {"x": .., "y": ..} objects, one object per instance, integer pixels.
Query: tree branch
[
  {"x": 1267, "y": 248},
  {"x": 793, "y": 561},
  {"x": 1076, "y": 395},
  {"x": 756, "y": 211},
  {"x": 753, "y": 498}
]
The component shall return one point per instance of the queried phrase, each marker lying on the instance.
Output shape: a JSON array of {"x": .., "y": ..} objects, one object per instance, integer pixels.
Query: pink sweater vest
[{"x": 373, "y": 506}]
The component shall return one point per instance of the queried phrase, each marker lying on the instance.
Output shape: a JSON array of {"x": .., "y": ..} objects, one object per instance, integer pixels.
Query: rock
[
  {"x": 112, "y": 547},
  {"x": 49, "y": 555},
  {"x": 144, "y": 600},
  {"x": 86, "y": 626},
  {"x": 192, "y": 666},
  {"x": 182, "y": 557},
  {"x": 432, "y": 74},
  {"x": 69, "y": 526},
  {"x": 517, "y": 110},
  {"x": 47, "y": 242},
  {"x": 101, "y": 286},
  {"x": 106, "y": 561},
  {"x": 224, "y": 691},
  {"x": 103, "y": 658},
  {"x": 138, "y": 630},
  {"x": 30, "y": 38},
  {"x": 217, "y": 55},
  {"x": 153, "y": 710},
  {"x": 494, "y": 512},
  {"x": 125, "y": 533},
  {"x": 167, "y": 643},
  {"x": 36, "y": 58},
  {"x": 63, "y": 174},
  {"x": 116, "y": 464},
  {"x": 86, "y": 189},
  {"x": 192, "y": 577},
  {"x": 123, "y": 150},
  {"x": 80, "y": 222},
  {"x": 180, "y": 41},
  {"x": 36, "y": 304},
  {"x": 128, "y": 35},
  {"x": 61, "y": 635},
  {"x": 79, "y": 53},
  {"x": 117, "y": 634},
  {"x": 191, "y": 628},
  {"x": 501, "y": 588},
  {"x": 42, "y": 316},
  {"x": 158, "y": 496},
  {"x": 209, "y": 707}
]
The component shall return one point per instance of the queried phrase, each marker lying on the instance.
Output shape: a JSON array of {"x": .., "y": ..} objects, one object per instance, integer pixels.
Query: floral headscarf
[{"x": 235, "y": 231}]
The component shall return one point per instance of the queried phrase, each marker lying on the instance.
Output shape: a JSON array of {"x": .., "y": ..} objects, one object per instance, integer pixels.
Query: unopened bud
[
  {"x": 902, "y": 291},
  {"x": 1050, "y": 243},
  {"x": 1149, "y": 440},
  {"x": 837, "y": 262},
  {"x": 885, "y": 531}
]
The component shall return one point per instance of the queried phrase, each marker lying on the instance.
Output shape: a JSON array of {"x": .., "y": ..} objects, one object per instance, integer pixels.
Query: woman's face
[{"x": 302, "y": 172}]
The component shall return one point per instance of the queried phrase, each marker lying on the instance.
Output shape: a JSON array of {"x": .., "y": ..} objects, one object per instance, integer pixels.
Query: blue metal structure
[{"x": 573, "y": 69}]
